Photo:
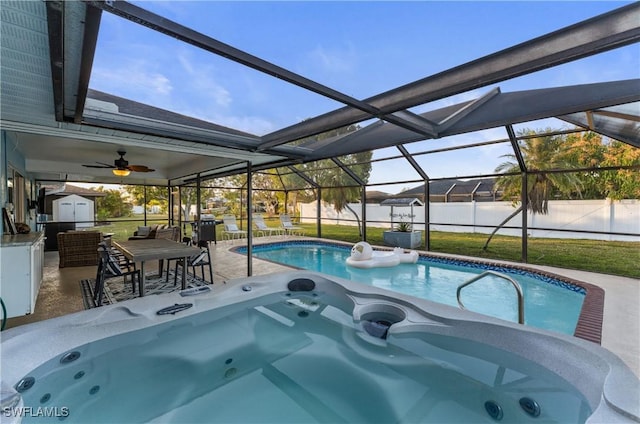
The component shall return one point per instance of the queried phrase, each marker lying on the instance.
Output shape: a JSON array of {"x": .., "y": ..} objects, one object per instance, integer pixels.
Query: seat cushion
[{"x": 143, "y": 231}]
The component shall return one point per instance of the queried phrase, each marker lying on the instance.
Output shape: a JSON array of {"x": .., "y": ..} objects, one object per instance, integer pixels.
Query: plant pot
[{"x": 406, "y": 240}]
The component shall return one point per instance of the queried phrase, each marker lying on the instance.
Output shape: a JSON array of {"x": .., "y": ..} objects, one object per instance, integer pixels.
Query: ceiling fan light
[{"x": 121, "y": 172}]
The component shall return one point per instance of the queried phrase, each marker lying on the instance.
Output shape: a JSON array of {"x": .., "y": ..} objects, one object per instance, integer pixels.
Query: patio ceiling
[{"x": 58, "y": 124}]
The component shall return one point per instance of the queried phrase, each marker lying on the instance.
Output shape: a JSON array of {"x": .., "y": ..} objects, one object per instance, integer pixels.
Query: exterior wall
[
  {"x": 482, "y": 217},
  {"x": 10, "y": 156}
]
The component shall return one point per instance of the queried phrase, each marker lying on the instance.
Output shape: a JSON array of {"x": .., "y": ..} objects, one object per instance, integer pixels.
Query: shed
[
  {"x": 405, "y": 202},
  {"x": 74, "y": 208}
]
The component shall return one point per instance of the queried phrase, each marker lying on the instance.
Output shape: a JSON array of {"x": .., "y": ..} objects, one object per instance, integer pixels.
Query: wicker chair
[{"x": 78, "y": 248}]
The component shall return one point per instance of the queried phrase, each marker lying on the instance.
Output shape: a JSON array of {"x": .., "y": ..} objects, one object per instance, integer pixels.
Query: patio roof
[{"x": 58, "y": 124}]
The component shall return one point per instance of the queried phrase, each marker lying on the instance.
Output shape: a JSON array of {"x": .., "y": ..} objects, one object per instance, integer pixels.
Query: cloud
[
  {"x": 251, "y": 124},
  {"x": 132, "y": 77},
  {"x": 334, "y": 61},
  {"x": 201, "y": 81}
]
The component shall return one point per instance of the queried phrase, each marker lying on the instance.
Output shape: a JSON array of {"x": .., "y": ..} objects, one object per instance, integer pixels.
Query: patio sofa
[
  {"x": 78, "y": 248},
  {"x": 154, "y": 231}
]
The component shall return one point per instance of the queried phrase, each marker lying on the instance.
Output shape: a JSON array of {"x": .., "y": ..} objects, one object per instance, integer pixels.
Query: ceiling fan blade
[
  {"x": 99, "y": 166},
  {"x": 140, "y": 168}
]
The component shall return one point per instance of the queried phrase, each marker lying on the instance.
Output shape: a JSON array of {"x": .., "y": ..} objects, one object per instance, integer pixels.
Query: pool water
[
  {"x": 295, "y": 358},
  {"x": 549, "y": 304}
]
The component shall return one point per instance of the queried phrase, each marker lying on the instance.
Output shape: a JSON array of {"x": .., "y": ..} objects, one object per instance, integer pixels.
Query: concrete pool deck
[{"x": 60, "y": 293}]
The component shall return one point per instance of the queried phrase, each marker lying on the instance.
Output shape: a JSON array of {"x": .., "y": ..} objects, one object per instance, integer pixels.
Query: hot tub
[{"x": 303, "y": 347}]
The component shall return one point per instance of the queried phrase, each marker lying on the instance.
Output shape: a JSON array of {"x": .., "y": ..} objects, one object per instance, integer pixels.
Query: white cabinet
[{"x": 21, "y": 268}]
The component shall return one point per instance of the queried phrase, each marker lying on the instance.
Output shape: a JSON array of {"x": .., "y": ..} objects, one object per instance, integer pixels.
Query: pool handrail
[{"x": 499, "y": 275}]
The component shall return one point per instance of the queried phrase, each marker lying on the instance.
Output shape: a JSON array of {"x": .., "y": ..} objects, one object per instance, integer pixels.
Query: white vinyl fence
[{"x": 574, "y": 218}]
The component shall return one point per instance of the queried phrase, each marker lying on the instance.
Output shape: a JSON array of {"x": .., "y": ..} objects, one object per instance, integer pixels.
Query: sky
[{"x": 360, "y": 48}]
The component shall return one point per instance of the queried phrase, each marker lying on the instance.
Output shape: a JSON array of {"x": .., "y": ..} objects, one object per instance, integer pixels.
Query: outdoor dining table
[{"x": 140, "y": 251}]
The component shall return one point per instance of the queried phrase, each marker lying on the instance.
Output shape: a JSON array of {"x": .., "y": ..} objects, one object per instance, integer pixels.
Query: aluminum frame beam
[
  {"x": 605, "y": 32},
  {"x": 516, "y": 148},
  {"x": 348, "y": 171},
  {"x": 409, "y": 157},
  {"x": 55, "y": 26},
  {"x": 89, "y": 42},
  {"x": 173, "y": 29},
  {"x": 502, "y": 109},
  {"x": 458, "y": 115},
  {"x": 301, "y": 175}
]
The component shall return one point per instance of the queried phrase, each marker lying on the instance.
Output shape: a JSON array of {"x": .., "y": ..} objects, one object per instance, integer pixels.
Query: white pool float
[{"x": 363, "y": 256}]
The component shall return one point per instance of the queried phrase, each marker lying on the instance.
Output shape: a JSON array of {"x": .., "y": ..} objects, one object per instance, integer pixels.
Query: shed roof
[
  {"x": 402, "y": 201},
  {"x": 69, "y": 189}
]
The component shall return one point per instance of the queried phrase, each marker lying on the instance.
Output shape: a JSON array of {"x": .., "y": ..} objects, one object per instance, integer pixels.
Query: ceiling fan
[{"x": 121, "y": 166}]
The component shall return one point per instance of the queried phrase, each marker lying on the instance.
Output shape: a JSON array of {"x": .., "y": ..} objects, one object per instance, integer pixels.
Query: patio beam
[
  {"x": 516, "y": 148},
  {"x": 466, "y": 110},
  {"x": 301, "y": 175},
  {"x": 596, "y": 35},
  {"x": 412, "y": 161},
  {"x": 89, "y": 42},
  {"x": 348, "y": 171},
  {"x": 173, "y": 29},
  {"x": 414, "y": 122},
  {"x": 55, "y": 26},
  {"x": 502, "y": 109}
]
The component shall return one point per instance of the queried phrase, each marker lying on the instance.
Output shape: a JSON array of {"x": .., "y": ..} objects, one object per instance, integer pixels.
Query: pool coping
[{"x": 590, "y": 320}]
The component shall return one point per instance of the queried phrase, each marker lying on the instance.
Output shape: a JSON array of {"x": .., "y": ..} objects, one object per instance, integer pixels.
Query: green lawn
[{"x": 607, "y": 257}]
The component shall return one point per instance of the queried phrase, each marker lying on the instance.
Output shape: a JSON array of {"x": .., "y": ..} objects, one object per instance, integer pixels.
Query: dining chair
[
  {"x": 187, "y": 241},
  {"x": 110, "y": 266},
  {"x": 200, "y": 260},
  {"x": 169, "y": 233}
]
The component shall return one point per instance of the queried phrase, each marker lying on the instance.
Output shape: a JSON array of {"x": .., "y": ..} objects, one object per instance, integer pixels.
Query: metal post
[
  {"x": 249, "y": 222},
  {"x": 525, "y": 208},
  {"x": 198, "y": 199},
  {"x": 319, "y": 213},
  {"x": 427, "y": 216},
  {"x": 364, "y": 213},
  {"x": 144, "y": 206}
]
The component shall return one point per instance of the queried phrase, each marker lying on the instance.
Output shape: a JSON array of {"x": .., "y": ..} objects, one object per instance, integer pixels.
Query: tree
[
  {"x": 267, "y": 192},
  {"x": 586, "y": 150},
  {"x": 623, "y": 183},
  {"x": 592, "y": 150},
  {"x": 540, "y": 153},
  {"x": 112, "y": 205},
  {"x": 338, "y": 187},
  {"x": 159, "y": 195}
]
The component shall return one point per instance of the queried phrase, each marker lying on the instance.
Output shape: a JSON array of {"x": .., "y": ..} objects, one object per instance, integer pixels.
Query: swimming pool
[
  {"x": 550, "y": 303},
  {"x": 299, "y": 347}
]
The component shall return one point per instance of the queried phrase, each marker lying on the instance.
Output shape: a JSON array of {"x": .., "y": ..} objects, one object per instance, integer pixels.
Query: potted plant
[
  {"x": 403, "y": 236},
  {"x": 403, "y": 227}
]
